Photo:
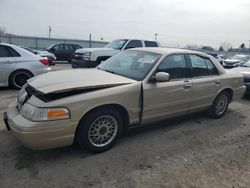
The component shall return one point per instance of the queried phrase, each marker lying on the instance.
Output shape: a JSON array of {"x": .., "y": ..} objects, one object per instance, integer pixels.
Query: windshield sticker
[{"x": 146, "y": 60}]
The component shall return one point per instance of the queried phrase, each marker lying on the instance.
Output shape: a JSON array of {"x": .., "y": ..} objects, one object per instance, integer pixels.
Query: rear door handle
[
  {"x": 187, "y": 84},
  {"x": 217, "y": 82},
  {"x": 8, "y": 62}
]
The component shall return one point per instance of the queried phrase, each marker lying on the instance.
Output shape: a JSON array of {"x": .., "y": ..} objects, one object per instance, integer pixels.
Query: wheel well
[
  {"x": 230, "y": 92},
  {"x": 122, "y": 111},
  {"x": 18, "y": 71}
]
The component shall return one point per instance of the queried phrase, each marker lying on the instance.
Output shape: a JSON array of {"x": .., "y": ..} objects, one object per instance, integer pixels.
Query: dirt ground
[{"x": 191, "y": 151}]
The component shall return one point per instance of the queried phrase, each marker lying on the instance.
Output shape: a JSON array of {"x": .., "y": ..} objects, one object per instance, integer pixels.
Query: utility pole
[
  {"x": 50, "y": 29},
  {"x": 249, "y": 45},
  {"x": 90, "y": 41},
  {"x": 156, "y": 34}
]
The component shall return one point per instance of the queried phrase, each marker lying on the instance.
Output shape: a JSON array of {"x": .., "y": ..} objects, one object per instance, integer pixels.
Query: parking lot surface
[{"x": 191, "y": 151}]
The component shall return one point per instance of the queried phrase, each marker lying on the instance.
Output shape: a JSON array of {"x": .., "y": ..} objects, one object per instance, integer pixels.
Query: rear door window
[
  {"x": 151, "y": 44},
  {"x": 134, "y": 44},
  {"x": 211, "y": 68},
  {"x": 202, "y": 66}
]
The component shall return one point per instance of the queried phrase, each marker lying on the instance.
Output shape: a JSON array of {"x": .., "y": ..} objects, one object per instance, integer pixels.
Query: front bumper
[
  {"x": 239, "y": 93},
  {"x": 39, "y": 135},
  {"x": 83, "y": 64},
  {"x": 247, "y": 87}
]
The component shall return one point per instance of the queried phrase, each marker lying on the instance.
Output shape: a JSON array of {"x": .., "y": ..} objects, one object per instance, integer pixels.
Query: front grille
[{"x": 246, "y": 79}]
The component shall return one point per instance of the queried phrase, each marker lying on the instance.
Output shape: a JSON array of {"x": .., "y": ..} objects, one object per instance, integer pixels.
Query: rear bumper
[
  {"x": 39, "y": 135},
  {"x": 83, "y": 64},
  {"x": 41, "y": 71}
]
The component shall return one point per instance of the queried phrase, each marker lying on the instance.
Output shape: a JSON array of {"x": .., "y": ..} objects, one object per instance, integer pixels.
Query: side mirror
[{"x": 162, "y": 77}]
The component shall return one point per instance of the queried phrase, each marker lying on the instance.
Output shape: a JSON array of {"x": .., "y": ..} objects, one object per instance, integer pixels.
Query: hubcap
[
  {"x": 102, "y": 131},
  {"x": 221, "y": 104},
  {"x": 20, "y": 79}
]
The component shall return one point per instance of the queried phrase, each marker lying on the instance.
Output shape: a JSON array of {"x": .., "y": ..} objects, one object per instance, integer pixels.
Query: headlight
[
  {"x": 44, "y": 114},
  {"x": 86, "y": 56}
]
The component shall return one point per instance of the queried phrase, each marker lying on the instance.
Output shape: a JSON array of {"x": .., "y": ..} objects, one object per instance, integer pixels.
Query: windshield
[
  {"x": 116, "y": 44},
  {"x": 131, "y": 64},
  {"x": 238, "y": 57}
]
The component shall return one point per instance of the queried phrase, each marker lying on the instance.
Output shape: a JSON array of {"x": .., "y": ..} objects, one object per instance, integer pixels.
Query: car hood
[
  {"x": 93, "y": 49},
  {"x": 243, "y": 70},
  {"x": 77, "y": 79}
]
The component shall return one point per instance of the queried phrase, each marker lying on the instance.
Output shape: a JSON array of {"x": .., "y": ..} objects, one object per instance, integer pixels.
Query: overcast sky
[{"x": 202, "y": 22}]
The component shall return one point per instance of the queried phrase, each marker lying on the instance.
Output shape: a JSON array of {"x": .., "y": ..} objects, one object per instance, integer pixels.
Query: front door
[{"x": 172, "y": 98}]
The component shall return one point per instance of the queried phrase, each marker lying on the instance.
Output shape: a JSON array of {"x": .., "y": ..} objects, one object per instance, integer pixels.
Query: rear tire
[
  {"x": 19, "y": 78},
  {"x": 220, "y": 105},
  {"x": 99, "y": 130}
]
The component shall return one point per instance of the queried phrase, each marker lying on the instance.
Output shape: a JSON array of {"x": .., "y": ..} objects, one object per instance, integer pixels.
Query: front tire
[
  {"x": 220, "y": 105},
  {"x": 19, "y": 78},
  {"x": 100, "y": 130}
]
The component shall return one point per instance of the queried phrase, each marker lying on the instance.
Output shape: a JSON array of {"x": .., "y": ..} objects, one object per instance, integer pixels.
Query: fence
[{"x": 45, "y": 42}]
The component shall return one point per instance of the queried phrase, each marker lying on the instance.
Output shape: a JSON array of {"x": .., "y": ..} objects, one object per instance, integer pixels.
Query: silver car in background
[
  {"x": 235, "y": 61},
  {"x": 17, "y": 65}
]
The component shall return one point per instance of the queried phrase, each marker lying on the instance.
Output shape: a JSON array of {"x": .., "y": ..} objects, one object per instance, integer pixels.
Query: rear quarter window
[{"x": 6, "y": 51}]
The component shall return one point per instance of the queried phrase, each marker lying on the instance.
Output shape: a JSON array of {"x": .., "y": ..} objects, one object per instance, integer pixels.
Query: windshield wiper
[
  {"x": 109, "y": 71},
  {"x": 106, "y": 70}
]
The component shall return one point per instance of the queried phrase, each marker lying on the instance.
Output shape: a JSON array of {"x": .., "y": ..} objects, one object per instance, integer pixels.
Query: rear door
[
  {"x": 8, "y": 60},
  {"x": 69, "y": 50},
  {"x": 206, "y": 82},
  {"x": 167, "y": 99}
]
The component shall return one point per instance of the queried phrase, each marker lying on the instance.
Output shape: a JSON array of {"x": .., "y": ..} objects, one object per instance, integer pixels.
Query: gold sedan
[{"x": 134, "y": 87}]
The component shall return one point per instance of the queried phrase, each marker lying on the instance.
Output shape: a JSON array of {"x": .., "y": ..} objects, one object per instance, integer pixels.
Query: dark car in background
[
  {"x": 50, "y": 56},
  {"x": 63, "y": 51}
]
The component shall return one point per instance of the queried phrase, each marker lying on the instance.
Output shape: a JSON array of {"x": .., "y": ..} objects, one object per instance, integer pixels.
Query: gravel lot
[{"x": 191, "y": 151}]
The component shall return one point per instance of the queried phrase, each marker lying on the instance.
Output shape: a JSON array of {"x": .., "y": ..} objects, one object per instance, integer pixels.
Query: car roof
[{"x": 165, "y": 50}]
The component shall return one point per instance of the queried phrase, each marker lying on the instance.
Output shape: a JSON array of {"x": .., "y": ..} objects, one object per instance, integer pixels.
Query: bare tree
[
  {"x": 242, "y": 45},
  {"x": 2, "y": 30},
  {"x": 226, "y": 46}
]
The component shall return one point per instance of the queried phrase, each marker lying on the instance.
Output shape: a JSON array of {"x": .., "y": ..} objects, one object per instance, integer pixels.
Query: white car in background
[
  {"x": 17, "y": 65},
  {"x": 91, "y": 57},
  {"x": 235, "y": 61}
]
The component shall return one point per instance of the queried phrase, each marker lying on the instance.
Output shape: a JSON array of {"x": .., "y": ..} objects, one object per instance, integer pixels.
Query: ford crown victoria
[{"x": 93, "y": 106}]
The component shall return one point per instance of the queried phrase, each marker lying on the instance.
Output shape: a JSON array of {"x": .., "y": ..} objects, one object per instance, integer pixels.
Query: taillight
[{"x": 44, "y": 61}]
